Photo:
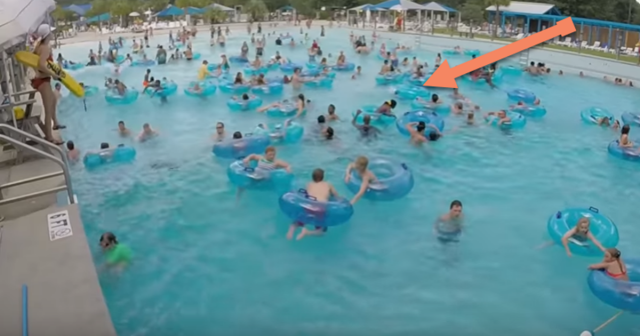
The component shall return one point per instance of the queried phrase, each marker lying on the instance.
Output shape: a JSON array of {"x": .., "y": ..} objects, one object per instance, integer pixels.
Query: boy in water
[
  {"x": 448, "y": 227},
  {"x": 360, "y": 166},
  {"x": 322, "y": 191}
]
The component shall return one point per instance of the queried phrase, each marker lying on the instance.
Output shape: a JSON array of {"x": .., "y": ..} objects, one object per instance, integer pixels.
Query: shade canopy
[
  {"x": 436, "y": 7},
  {"x": 134, "y": 14},
  {"x": 399, "y": 5},
  {"x": 19, "y": 18},
  {"x": 220, "y": 7},
  {"x": 287, "y": 9},
  {"x": 175, "y": 11},
  {"x": 100, "y": 18}
]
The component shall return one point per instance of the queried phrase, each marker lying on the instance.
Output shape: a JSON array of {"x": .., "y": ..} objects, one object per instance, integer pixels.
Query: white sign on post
[{"x": 59, "y": 225}]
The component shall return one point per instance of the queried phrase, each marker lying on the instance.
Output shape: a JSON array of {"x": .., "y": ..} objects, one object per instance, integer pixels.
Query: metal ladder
[
  {"x": 62, "y": 162},
  {"x": 524, "y": 58},
  {"x": 417, "y": 42}
]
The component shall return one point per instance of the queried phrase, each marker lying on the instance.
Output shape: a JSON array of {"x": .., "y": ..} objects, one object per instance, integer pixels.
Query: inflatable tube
[
  {"x": 623, "y": 295},
  {"x": 517, "y": 121},
  {"x": 535, "y": 111},
  {"x": 241, "y": 148},
  {"x": 389, "y": 78},
  {"x": 112, "y": 97},
  {"x": 253, "y": 177},
  {"x": 395, "y": 181},
  {"x": 244, "y": 105},
  {"x": 317, "y": 72},
  {"x": 382, "y": 55},
  {"x": 207, "y": 88},
  {"x": 162, "y": 60},
  {"x": 300, "y": 207},
  {"x": 168, "y": 89},
  {"x": 31, "y": 60},
  {"x": 423, "y": 104},
  {"x": 523, "y": 95},
  {"x": 344, "y": 67},
  {"x": 286, "y": 109},
  {"x": 270, "y": 88},
  {"x": 195, "y": 57},
  {"x": 376, "y": 118},
  {"x": 90, "y": 90},
  {"x": 119, "y": 59},
  {"x": 452, "y": 52},
  {"x": 417, "y": 116},
  {"x": 273, "y": 66},
  {"x": 472, "y": 52},
  {"x": 313, "y": 65},
  {"x": 411, "y": 92},
  {"x": 417, "y": 81},
  {"x": 511, "y": 70},
  {"x": 625, "y": 153},
  {"x": 238, "y": 59},
  {"x": 111, "y": 155},
  {"x": 229, "y": 87},
  {"x": 600, "y": 226},
  {"x": 143, "y": 63},
  {"x": 279, "y": 133},
  {"x": 286, "y": 37},
  {"x": 631, "y": 118},
  {"x": 592, "y": 115},
  {"x": 214, "y": 67},
  {"x": 323, "y": 82},
  {"x": 290, "y": 67},
  {"x": 252, "y": 71},
  {"x": 74, "y": 66}
]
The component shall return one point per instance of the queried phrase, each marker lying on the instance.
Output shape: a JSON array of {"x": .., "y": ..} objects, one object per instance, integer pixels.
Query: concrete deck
[{"x": 65, "y": 297}]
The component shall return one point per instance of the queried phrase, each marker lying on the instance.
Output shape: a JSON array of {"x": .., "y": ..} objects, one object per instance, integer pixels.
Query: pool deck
[{"x": 64, "y": 295}]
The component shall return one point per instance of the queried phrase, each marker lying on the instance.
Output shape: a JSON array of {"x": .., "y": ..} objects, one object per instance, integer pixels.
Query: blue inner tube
[
  {"x": 422, "y": 104},
  {"x": 623, "y": 295},
  {"x": 241, "y": 148},
  {"x": 254, "y": 177},
  {"x": 112, "y": 97},
  {"x": 600, "y": 226},
  {"x": 531, "y": 111},
  {"x": 244, "y": 105},
  {"x": 270, "y": 88},
  {"x": 625, "y": 153},
  {"x": 207, "y": 88},
  {"x": 279, "y": 133},
  {"x": 110, "y": 155},
  {"x": 394, "y": 181},
  {"x": 631, "y": 118},
  {"x": 90, "y": 90},
  {"x": 229, "y": 87},
  {"x": 523, "y": 95},
  {"x": 390, "y": 78},
  {"x": 143, "y": 63},
  {"x": 417, "y": 116},
  {"x": 376, "y": 118},
  {"x": 517, "y": 121},
  {"x": 411, "y": 92},
  {"x": 300, "y": 207},
  {"x": 290, "y": 67},
  {"x": 167, "y": 89},
  {"x": 591, "y": 115}
]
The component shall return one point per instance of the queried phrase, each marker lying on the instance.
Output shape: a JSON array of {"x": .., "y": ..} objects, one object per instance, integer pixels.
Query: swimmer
[
  {"x": 387, "y": 108},
  {"x": 606, "y": 122},
  {"x": 417, "y": 129},
  {"x": 449, "y": 226},
  {"x": 366, "y": 176},
  {"x": 624, "y": 141},
  {"x": 147, "y": 133},
  {"x": 220, "y": 132},
  {"x": 357, "y": 73},
  {"x": 456, "y": 94},
  {"x": 331, "y": 113},
  {"x": 457, "y": 108},
  {"x": 203, "y": 72},
  {"x": 116, "y": 254},
  {"x": 365, "y": 129},
  {"x": 57, "y": 93},
  {"x": 579, "y": 235},
  {"x": 73, "y": 154},
  {"x": 322, "y": 191},
  {"x": 502, "y": 116},
  {"x": 266, "y": 164},
  {"x": 613, "y": 265},
  {"x": 123, "y": 130}
]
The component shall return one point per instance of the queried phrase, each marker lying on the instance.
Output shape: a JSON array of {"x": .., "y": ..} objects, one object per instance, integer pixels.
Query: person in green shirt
[{"x": 116, "y": 254}]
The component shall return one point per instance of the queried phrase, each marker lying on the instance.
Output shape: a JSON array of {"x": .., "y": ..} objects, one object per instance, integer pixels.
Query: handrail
[{"x": 60, "y": 161}]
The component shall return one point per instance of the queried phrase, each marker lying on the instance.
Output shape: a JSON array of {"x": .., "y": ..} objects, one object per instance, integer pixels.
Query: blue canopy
[
  {"x": 170, "y": 11},
  {"x": 195, "y": 11},
  {"x": 287, "y": 9},
  {"x": 78, "y": 9},
  {"x": 100, "y": 18}
]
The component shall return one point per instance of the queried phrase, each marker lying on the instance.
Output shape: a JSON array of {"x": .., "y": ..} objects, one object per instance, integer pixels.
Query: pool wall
[{"x": 555, "y": 59}]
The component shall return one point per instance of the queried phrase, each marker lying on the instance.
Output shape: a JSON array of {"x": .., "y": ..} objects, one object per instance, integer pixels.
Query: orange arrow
[{"x": 446, "y": 76}]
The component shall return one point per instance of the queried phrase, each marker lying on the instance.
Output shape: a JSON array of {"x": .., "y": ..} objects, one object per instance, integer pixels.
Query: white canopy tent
[{"x": 436, "y": 7}]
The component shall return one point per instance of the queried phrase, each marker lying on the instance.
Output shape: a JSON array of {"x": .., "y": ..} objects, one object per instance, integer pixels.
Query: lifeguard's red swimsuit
[{"x": 36, "y": 82}]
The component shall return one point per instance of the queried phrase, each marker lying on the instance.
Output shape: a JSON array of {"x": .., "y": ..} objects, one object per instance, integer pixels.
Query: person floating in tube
[
  {"x": 322, "y": 191},
  {"x": 580, "y": 235}
]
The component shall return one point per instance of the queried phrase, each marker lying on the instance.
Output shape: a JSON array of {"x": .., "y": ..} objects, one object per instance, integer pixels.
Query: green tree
[
  {"x": 256, "y": 9},
  {"x": 192, "y": 3},
  {"x": 473, "y": 10},
  {"x": 497, "y": 4},
  {"x": 60, "y": 14},
  {"x": 215, "y": 15},
  {"x": 154, "y": 5}
]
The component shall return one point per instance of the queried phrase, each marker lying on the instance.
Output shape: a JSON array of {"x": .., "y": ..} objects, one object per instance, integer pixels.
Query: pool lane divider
[{"x": 445, "y": 76}]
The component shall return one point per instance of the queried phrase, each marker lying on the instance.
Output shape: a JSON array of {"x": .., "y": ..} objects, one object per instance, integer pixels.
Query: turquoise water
[{"x": 204, "y": 265}]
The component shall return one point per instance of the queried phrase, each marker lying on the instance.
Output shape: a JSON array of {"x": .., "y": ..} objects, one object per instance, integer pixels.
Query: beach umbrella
[{"x": 134, "y": 14}]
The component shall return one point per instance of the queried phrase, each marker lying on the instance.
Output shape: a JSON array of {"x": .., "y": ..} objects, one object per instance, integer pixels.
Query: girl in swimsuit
[
  {"x": 266, "y": 164},
  {"x": 42, "y": 82},
  {"x": 624, "y": 137},
  {"x": 612, "y": 264},
  {"x": 580, "y": 235}
]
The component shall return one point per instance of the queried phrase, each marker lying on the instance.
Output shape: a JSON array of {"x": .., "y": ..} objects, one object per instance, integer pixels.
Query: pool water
[{"x": 206, "y": 265}]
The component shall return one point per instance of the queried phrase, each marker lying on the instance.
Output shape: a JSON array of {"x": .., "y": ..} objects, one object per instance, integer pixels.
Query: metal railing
[{"x": 60, "y": 161}]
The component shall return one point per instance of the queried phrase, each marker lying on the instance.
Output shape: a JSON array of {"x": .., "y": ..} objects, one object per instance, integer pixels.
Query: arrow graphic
[{"x": 446, "y": 76}]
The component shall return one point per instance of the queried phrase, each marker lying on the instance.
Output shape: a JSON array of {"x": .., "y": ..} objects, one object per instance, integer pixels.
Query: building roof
[
  {"x": 527, "y": 8},
  {"x": 577, "y": 21},
  {"x": 436, "y": 7},
  {"x": 399, "y": 5}
]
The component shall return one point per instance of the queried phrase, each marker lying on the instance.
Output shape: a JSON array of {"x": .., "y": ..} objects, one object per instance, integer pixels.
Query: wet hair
[
  {"x": 120, "y": 122},
  {"x": 70, "y": 145},
  {"x": 329, "y": 133},
  {"x": 245, "y": 96},
  {"x": 433, "y": 136},
  {"x": 109, "y": 238},
  {"x": 332, "y": 107},
  {"x": 321, "y": 119},
  {"x": 434, "y": 97},
  {"x": 104, "y": 145},
  {"x": 237, "y": 135},
  {"x": 455, "y": 203},
  {"x": 270, "y": 149},
  {"x": 533, "y": 63},
  {"x": 301, "y": 97},
  {"x": 317, "y": 175},
  {"x": 625, "y": 129},
  {"x": 421, "y": 126},
  {"x": 392, "y": 103}
]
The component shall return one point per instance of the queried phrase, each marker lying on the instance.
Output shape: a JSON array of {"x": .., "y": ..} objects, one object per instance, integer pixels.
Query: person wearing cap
[{"x": 42, "y": 82}]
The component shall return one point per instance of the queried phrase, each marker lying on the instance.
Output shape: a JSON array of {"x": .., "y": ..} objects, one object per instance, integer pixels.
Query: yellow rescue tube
[{"x": 31, "y": 60}]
